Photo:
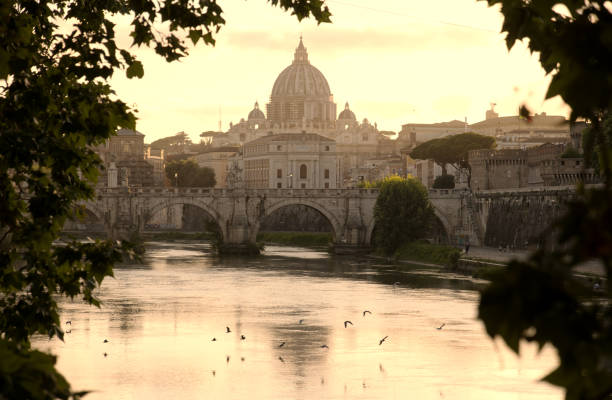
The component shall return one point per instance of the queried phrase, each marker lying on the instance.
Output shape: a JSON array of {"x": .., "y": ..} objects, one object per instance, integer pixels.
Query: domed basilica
[{"x": 301, "y": 102}]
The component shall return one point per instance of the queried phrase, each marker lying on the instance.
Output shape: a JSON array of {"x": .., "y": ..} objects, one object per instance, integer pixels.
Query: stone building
[
  {"x": 539, "y": 124},
  {"x": 425, "y": 132},
  {"x": 301, "y": 101},
  {"x": 291, "y": 160},
  {"x": 219, "y": 159},
  {"x": 425, "y": 171},
  {"x": 498, "y": 169},
  {"x": 156, "y": 158},
  {"x": 125, "y": 152},
  {"x": 545, "y": 165}
]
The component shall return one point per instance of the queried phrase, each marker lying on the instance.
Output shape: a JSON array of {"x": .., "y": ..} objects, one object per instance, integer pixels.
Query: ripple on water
[{"x": 160, "y": 319}]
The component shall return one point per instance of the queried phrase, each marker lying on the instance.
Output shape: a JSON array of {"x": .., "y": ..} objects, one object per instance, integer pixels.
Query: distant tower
[{"x": 490, "y": 114}]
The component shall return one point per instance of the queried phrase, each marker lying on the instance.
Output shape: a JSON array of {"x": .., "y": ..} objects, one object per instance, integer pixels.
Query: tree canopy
[
  {"x": 56, "y": 59},
  {"x": 187, "y": 173},
  {"x": 452, "y": 149},
  {"x": 402, "y": 213},
  {"x": 179, "y": 140},
  {"x": 541, "y": 299}
]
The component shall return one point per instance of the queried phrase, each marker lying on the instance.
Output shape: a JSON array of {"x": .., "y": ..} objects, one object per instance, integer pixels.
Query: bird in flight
[
  {"x": 68, "y": 322},
  {"x": 440, "y": 327},
  {"x": 242, "y": 337},
  {"x": 281, "y": 358},
  {"x": 227, "y": 329},
  {"x": 281, "y": 345},
  {"x": 346, "y": 323},
  {"x": 382, "y": 340},
  {"x": 214, "y": 372},
  {"x": 227, "y": 358},
  {"x": 105, "y": 354},
  {"x": 214, "y": 339},
  {"x": 366, "y": 312},
  {"x": 324, "y": 346},
  {"x": 105, "y": 340}
]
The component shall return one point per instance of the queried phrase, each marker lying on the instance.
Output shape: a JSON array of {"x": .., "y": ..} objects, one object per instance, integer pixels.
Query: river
[{"x": 160, "y": 319}]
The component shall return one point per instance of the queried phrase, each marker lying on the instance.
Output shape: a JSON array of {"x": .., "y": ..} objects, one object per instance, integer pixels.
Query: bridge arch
[
  {"x": 437, "y": 213},
  {"x": 445, "y": 223},
  {"x": 173, "y": 202},
  {"x": 92, "y": 209},
  {"x": 333, "y": 220}
]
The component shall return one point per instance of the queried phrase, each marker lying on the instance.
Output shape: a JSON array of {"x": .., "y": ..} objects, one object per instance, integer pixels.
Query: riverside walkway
[{"x": 489, "y": 253}]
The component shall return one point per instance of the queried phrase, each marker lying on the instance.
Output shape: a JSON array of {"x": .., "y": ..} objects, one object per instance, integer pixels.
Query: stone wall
[{"x": 516, "y": 220}]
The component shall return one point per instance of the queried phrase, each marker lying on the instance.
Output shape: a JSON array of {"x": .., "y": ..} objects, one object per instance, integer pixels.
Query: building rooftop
[
  {"x": 128, "y": 132},
  {"x": 302, "y": 137}
]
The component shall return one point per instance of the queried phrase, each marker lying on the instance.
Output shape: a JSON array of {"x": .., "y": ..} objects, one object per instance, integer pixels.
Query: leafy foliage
[
  {"x": 541, "y": 299},
  {"x": 444, "y": 182},
  {"x": 56, "y": 58},
  {"x": 187, "y": 173},
  {"x": 402, "y": 213},
  {"x": 452, "y": 149},
  {"x": 180, "y": 140}
]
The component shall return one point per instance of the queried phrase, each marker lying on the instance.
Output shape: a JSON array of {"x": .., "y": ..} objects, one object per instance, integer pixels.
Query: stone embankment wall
[{"x": 518, "y": 219}]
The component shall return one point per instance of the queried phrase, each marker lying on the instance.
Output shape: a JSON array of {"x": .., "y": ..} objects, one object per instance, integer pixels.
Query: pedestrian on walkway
[{"x": 467, "y": 247}]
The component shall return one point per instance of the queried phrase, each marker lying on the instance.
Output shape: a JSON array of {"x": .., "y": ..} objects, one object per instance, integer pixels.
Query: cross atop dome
[{"x": 301, "y": 55}]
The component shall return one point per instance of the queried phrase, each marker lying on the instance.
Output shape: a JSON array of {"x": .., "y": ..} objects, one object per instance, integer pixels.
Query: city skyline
[{"x": 402, "y": 65}]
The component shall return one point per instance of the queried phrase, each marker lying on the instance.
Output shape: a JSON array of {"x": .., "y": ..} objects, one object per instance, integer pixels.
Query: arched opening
[
  {"x": 297, "y": 223},
  {"x": 182, "y": 217},
  {"x": 438, "y": 233},
  {"x": 85, "y": 220},
  {"x": 303, "y": 171}
]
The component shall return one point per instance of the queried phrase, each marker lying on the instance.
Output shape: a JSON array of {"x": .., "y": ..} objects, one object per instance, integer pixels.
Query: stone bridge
[
  {"x": 463, "y": 215},
  {"x": 239, "y": 212}
]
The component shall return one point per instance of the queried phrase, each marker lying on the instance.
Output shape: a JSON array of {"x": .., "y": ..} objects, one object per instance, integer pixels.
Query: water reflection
[{"x": 160, "y": 319}]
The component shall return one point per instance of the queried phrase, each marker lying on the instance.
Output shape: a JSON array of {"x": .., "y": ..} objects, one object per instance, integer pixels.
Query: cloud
[{"x": 335, "y": 40}]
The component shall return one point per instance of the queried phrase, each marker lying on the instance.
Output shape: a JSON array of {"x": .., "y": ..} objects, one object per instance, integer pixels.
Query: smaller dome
[
  {"x": 347, "y": 113},
  {"x": 256, "y": 113}
]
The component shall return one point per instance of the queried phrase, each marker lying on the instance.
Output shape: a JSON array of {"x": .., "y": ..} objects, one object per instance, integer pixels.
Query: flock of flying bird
[
  {"x": 301, "y": 321},
  {"x": 323, "y": 346}
]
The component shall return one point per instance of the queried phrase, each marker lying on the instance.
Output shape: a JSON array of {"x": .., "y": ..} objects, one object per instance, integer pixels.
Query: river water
[{"x": 160, "y": 319}]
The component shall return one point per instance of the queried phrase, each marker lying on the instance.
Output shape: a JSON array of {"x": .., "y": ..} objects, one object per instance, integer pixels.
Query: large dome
[{"x": 301, "y": 79}]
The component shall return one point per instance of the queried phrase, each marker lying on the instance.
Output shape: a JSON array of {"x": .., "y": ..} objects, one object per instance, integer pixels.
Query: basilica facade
[{"x": 301, "y": 102}]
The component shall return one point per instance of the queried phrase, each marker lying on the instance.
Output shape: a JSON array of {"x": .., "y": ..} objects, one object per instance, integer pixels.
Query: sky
[{"x": 394, "y": 61}]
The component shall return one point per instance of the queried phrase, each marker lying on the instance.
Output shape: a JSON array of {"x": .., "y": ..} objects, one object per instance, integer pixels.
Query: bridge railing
[{"x": 221, "y": 192}]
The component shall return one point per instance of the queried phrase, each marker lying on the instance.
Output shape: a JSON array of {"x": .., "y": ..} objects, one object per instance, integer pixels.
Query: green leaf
[{"x": 135, "y": 70}]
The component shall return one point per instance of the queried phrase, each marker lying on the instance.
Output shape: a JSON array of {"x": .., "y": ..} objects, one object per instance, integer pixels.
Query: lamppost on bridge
[
  {"x": 290, "y": 177},
  {"x": 176, "y": 179}
]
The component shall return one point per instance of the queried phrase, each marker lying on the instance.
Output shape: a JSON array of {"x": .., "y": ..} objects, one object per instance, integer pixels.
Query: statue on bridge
[{"x": 234, "y": 177}]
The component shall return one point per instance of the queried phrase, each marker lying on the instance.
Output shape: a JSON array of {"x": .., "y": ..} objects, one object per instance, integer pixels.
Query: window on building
[
  {"x": 279, "y": 147},
  {"x": 303, "y": 186},
  {"x": 326, "y": 174},
  {"x": 279, "y": 173},
  {"x": 303, "y": 171},
  {"x": 279, "y": 185},
  {"x": 326, "y": 148},
  {"x": 326, "y": 185}
]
